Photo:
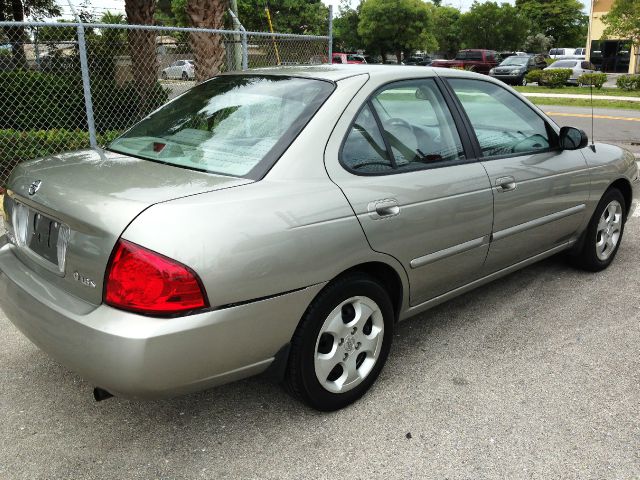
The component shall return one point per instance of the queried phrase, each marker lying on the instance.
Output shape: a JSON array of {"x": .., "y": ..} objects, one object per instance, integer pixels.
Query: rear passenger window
[
  {"x": 364, "y": 150},
  {"x": 407, "y": 126}
]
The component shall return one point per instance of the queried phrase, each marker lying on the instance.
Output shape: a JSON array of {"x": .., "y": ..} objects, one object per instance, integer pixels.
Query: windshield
[
  {"x": 236, "y": 125},
  {"x": 519, "y": 61}
]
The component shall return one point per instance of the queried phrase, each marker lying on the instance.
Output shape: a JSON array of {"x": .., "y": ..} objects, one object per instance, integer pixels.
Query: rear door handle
[
  {"x": 384, "y": 208},
  {"x": 506, "y": 184}
]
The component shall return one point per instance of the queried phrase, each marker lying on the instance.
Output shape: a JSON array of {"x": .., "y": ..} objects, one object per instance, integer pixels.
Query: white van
[{"x": 561, "y": 52}]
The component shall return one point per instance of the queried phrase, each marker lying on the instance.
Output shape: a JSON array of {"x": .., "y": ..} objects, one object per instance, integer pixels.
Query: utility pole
[
  {"x": 273, "y": 38},
  {"x": 237, "y": 47}
]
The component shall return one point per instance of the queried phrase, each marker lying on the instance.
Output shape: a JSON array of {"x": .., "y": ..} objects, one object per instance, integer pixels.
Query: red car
[
  {"x": 480, "y": 61},
  {"x": 347, "y": 58}
]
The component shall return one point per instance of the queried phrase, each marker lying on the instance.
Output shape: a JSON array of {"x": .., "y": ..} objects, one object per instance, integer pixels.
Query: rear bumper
[{"x": 143, "y": 357}]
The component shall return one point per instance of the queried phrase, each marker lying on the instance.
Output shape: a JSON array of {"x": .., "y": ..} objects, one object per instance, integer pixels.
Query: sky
[{"x": 117, "y": 6}]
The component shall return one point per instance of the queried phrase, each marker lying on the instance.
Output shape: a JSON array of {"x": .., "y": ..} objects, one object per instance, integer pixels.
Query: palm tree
[
  {"x": 208, "y": 48},
  {"x": 142, "y": 48}
]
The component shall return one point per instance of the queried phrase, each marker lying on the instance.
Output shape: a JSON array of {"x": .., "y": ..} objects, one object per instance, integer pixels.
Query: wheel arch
[
  {"x": 387, "y": 276},
  {"x": 624, "y": 186}
]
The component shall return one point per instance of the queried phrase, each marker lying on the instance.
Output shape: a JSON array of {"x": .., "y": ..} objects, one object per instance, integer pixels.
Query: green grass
[
  {"x": 614, "y": 92},
  {"x": 578, "y": 102}
]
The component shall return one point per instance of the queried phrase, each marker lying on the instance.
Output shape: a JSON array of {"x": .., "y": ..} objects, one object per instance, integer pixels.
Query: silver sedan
[
  {"x": 578, "y": 68},
  {"x": 285, "y": 219}
]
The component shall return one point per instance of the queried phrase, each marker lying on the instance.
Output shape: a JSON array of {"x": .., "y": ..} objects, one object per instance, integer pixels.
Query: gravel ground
[{"x": 534, "y": 376}]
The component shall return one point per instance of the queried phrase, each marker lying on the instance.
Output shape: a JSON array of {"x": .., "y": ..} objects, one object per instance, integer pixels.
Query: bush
[
  {"x": 533, "y": 76},
  {"x": 628, "y": 82},
  {"x": 595, "y": 79},
  {"x": 16, "y": 146},
  {"x": 20, "y": 146},
  {"x": 45, "y": 101},
  {"x": 556, "y": 77}
]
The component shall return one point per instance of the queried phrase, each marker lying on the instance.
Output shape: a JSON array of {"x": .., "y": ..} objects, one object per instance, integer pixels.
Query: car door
[
  {"x": 177, "y": 69},
  {"x": 404, "y": 168},
  {"x": 540, "y": 192}
]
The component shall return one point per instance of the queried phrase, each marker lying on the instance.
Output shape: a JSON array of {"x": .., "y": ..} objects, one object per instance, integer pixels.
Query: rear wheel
[
  {"x": 185, "y": 76},
  {"x": 604, "y": 233},
  {"x": 341, "y": 344},
  {"x": 163, "y": 75}
]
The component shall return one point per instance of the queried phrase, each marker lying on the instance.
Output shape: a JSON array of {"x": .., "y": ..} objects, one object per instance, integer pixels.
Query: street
[
  {"x": 534, "y": 376},
  {"x": 610, "y": 125}
]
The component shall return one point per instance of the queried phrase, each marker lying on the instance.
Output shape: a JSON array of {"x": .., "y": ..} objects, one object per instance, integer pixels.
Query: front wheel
[
  {"x": 604, "y": 233},
  {"x": 523, "y": 81},
  {"x": 341, "y": 343},
  {"x": 185, "y": 76}
]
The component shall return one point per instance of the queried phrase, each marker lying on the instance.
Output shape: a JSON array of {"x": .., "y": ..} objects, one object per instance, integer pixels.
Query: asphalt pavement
[
  {"x": 617, "y": 126},
  {"x": 535, "y": 376}
]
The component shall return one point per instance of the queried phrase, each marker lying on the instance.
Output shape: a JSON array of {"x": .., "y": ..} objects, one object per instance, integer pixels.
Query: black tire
[
  {"x": 163, "y": 76},
  {"x": 523, "y": 82},
  {"x": 587, "y": 258},
  {"x": 185, "y": 76},
  {"x": 300, "y": 379}
]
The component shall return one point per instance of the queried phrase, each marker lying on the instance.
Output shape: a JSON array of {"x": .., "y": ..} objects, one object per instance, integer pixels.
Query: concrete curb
[{"x": 580, "y": 97}]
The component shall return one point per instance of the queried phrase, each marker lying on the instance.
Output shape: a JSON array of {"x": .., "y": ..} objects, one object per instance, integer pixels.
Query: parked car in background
[
  {"x": 475, "y": 60},
  {"x": 181, "y": 69},
  {"x": 368, "y": 59},
  {"x": 345, "y": 58},
  {"x": 504, "y": 55},
  {"x": 561, "y": 52},
  {"x": 289, "y": 218},
  {"x": 578, "y": 67},
  {"x": 513, "y": 70},
  {"x": 418, "y": 60}
]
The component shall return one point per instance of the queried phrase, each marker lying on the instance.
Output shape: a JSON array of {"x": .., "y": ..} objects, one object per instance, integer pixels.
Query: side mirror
[{"x": 573, "y": 138}]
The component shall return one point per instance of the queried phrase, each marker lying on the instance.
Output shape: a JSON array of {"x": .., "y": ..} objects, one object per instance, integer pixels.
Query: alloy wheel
[
  {"x": 349, "y": 344},
  {"x": 609, "y": 230}
]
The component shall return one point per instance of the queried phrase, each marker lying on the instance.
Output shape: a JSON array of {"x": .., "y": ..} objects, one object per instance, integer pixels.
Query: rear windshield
[
  {"x": 236, "y": 125},
  {"x": 469, "y": 55},
  {"x": 564, "y": 64}
]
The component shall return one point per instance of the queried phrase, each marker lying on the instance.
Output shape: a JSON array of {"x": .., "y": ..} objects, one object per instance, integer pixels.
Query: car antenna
[{"x": 593, "y": 142}]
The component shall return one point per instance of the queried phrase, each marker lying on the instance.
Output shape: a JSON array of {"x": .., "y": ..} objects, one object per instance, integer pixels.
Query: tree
[
  {"x": 538, "y": 43},
  {"x": 397, "y": 26},
  {"x": 16, "y": 10},
  {"x": 623, "y": 21},
  {"x": 287, "y": 16},
  {"x": 208, "y": 48},
  {"x": 492, "y": 26},
  {"x": 142, "y": 48},
  {"x": 345, "y": 28},
  {"x": 446, "y": 29},
  {"x": 172, "y": 13},
  {"x": 560, "y": 19}
]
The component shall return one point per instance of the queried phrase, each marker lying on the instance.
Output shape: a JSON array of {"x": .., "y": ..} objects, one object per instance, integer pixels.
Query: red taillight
[{"x": 146, "y": 282}]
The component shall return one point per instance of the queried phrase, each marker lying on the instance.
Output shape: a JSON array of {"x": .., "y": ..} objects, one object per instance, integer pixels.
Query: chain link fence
[{"x": 67, "y": 86}]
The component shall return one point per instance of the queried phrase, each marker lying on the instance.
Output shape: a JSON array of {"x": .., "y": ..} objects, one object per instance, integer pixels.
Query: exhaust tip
[{"x": 100, "y": 394}]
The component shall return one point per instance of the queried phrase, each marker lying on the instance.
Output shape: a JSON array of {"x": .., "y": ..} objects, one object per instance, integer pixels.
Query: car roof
[{"x": 337, "y": 72}]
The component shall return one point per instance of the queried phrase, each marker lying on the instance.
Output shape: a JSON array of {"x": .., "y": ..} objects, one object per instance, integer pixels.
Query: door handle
[
  {"x": 384, "y": 208},
  {"x": 506, "y": 184}
]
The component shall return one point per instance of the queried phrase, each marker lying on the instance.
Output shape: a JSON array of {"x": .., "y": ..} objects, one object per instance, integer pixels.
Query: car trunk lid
[{"x": 96, "y": 194}]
